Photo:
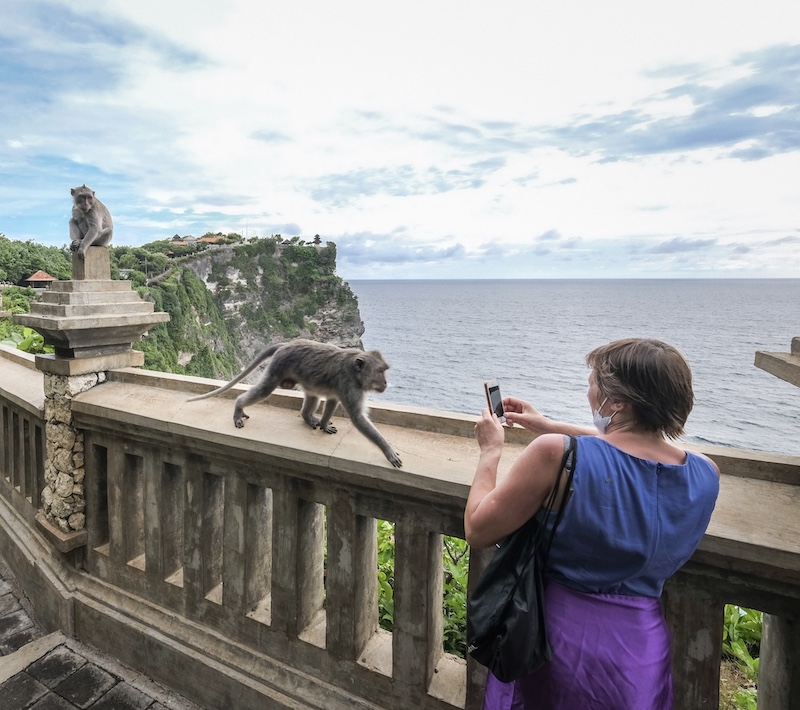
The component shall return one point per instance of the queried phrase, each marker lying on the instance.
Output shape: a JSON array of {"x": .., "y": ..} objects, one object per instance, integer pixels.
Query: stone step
[
  {"x": 106, "y": 285},
  {"x": 94, "y": 309},
  {"x": 99, "y": 321},
  {"x": 88, "y": 297}
]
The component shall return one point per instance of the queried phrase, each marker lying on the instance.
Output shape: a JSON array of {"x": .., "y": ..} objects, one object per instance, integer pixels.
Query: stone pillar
[
  {"x": 91, "y": 321},
  {"x": 62, "y": 514},
  {"x": 779, "y": 666}
]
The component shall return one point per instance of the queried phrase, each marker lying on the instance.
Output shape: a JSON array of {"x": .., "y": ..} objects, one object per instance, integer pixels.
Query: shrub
[{"x": 454, "y": 602}]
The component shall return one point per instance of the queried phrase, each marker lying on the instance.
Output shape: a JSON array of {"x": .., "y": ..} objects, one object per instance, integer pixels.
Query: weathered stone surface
[
  {"x": 63, "y": 485},
  {"x": 81, "y": 383},
  {"x": 63, "y": 497},
  {"x": 62, "y": 460},
  {"x": 95, "y": 266},
  {"x": 77, "y": 521},
  {"x": 61, "y": 435}
]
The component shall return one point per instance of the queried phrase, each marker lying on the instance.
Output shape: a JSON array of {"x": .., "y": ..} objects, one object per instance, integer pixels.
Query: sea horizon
[
  {"x": 443, "y": 337},
  {"x": 591, "y": 278}
]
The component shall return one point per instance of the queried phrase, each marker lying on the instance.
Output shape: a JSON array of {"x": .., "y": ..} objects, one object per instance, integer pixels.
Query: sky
[{"x": 427, "y": 138}]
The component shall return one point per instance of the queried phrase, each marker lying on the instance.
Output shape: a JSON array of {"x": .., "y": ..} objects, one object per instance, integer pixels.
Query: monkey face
[
  {"x": 379, "y": 383},
  {"x": 83, "y": 198}
]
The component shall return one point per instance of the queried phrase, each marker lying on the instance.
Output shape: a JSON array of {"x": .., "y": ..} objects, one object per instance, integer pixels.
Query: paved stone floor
[{"x": 40, "y": 671}]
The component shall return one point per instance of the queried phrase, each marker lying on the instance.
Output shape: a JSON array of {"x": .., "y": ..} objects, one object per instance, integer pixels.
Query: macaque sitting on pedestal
[{"x": 91, "y": 224}]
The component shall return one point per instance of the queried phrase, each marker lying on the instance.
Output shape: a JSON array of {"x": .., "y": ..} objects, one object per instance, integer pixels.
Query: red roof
[{"x": 41, "y": 276}]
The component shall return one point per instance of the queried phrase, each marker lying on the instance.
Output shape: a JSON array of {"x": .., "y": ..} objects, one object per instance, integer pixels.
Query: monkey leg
[
  {"x": 97, "y": 238},
  {"x": 104, "y": 238},
  {"x": 367, "y": 428},
  {"x": 74, "y": 235},
  {"x": 327, "y": 413},
  {"x": 310, "y": 404},
  {"x": 259, "y": 391}
]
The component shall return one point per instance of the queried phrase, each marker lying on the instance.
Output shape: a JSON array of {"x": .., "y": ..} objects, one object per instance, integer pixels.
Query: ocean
[{"x": 442, "y": 339}]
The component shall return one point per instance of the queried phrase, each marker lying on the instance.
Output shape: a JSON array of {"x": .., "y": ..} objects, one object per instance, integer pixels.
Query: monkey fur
[
  {"x": 338, "y": 374},
  {"x": 91, "y": 224}
]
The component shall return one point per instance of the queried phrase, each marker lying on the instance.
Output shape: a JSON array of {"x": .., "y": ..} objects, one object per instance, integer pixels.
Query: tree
[{"x": 21, "y": 259}]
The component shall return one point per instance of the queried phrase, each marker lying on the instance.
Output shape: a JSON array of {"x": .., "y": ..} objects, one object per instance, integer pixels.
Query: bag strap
[{"x": 567, "y": 464}]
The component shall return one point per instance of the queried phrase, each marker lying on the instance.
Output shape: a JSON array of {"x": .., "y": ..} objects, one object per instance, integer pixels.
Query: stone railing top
[
  {"x": 20, "y": 381},
  {"x": 783, "y": 365}
]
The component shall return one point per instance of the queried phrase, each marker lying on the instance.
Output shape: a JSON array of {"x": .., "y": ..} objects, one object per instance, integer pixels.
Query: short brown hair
[{"x": 652, "y": 376}]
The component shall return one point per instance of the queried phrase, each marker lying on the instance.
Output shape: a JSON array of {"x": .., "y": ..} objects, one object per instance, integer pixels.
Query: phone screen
[{"x": 496, "y": 400}]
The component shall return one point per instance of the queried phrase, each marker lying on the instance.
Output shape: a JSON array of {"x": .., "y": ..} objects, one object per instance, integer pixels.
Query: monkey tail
[{"x": 263, "y": 355}]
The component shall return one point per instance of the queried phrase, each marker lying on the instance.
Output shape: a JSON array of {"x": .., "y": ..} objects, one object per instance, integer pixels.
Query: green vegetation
[
  {"x": 281, "y": 287},
  {"x": 19, "y": 260},
  {"x": 196, "y": 340},
  {"x": 741, "y": 644},
  {"x": 454, "y": 600},
  {"x": 263, "y": 289},
  {"x": 21, "y": 338},
  {"x": 16, "y": 299}
]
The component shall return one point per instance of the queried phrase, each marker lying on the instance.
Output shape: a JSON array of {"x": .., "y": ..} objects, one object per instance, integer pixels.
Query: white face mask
[{"x": 600, "y": 422}]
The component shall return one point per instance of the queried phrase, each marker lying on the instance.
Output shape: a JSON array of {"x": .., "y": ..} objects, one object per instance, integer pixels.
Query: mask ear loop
[{"x": 601, "y": 422}]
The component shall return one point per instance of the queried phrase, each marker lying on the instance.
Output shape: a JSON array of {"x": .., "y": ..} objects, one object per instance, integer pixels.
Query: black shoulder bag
[{"x": 505, "y": 616}]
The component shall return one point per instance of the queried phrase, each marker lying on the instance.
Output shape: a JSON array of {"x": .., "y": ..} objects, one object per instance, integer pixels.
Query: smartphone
[{"x": 495, "y": 399}]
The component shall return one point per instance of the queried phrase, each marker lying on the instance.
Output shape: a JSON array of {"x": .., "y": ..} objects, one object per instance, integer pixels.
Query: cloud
[
  {"x": 680, "y": 245},
  {"x": 748, "y": 118},
  {"x": 396, "y": 181},
  {"x": 670, "y": 151},
  {"x": 49, "y": 50},
  {"x": 549, "y": 236},
  {"x": 375, "y": 250},
  {"x": 788, "y": 239},
  {"x": 270, "y": 136}
]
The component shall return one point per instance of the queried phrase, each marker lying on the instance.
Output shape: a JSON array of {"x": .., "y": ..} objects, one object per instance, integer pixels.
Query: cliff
[{"x": 228, "y": 303}]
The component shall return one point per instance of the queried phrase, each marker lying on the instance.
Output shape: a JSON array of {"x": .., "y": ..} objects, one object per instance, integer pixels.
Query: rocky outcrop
[{"x": 268, "y": 291}]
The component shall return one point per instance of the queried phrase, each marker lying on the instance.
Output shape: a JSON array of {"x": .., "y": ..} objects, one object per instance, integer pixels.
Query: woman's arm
[
  {"x": 494, "y": 510},
  {"x": 526, "y": 415}
]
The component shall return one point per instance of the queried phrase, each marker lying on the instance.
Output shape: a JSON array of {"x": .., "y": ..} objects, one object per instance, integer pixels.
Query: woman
[{"x": 637, "y": 510}]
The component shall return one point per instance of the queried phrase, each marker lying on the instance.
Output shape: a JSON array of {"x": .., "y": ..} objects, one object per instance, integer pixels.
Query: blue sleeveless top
[{"x": 630, "y": 523}]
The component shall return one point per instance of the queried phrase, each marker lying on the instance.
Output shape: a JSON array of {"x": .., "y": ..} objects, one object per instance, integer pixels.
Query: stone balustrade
[{"x": 238, "y": 566}]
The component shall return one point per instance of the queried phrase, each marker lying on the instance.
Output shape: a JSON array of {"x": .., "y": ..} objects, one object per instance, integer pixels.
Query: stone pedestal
[{"x": 92, "y": 322}]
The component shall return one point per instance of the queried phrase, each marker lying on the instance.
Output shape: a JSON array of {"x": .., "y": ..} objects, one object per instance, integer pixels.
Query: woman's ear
[{"x": 618, "y": 405}]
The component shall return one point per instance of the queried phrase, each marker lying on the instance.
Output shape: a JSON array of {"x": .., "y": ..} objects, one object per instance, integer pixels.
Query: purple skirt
[{"x": 610, "y": 652}]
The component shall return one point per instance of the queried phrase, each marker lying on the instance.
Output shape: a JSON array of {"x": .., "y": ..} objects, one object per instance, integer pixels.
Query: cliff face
[{"x": 229, "y": 303}]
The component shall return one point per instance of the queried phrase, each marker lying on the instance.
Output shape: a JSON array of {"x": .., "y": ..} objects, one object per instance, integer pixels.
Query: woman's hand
[
  {"x": 525, "y": 414},
  {"x": 489, "y": 431}
]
